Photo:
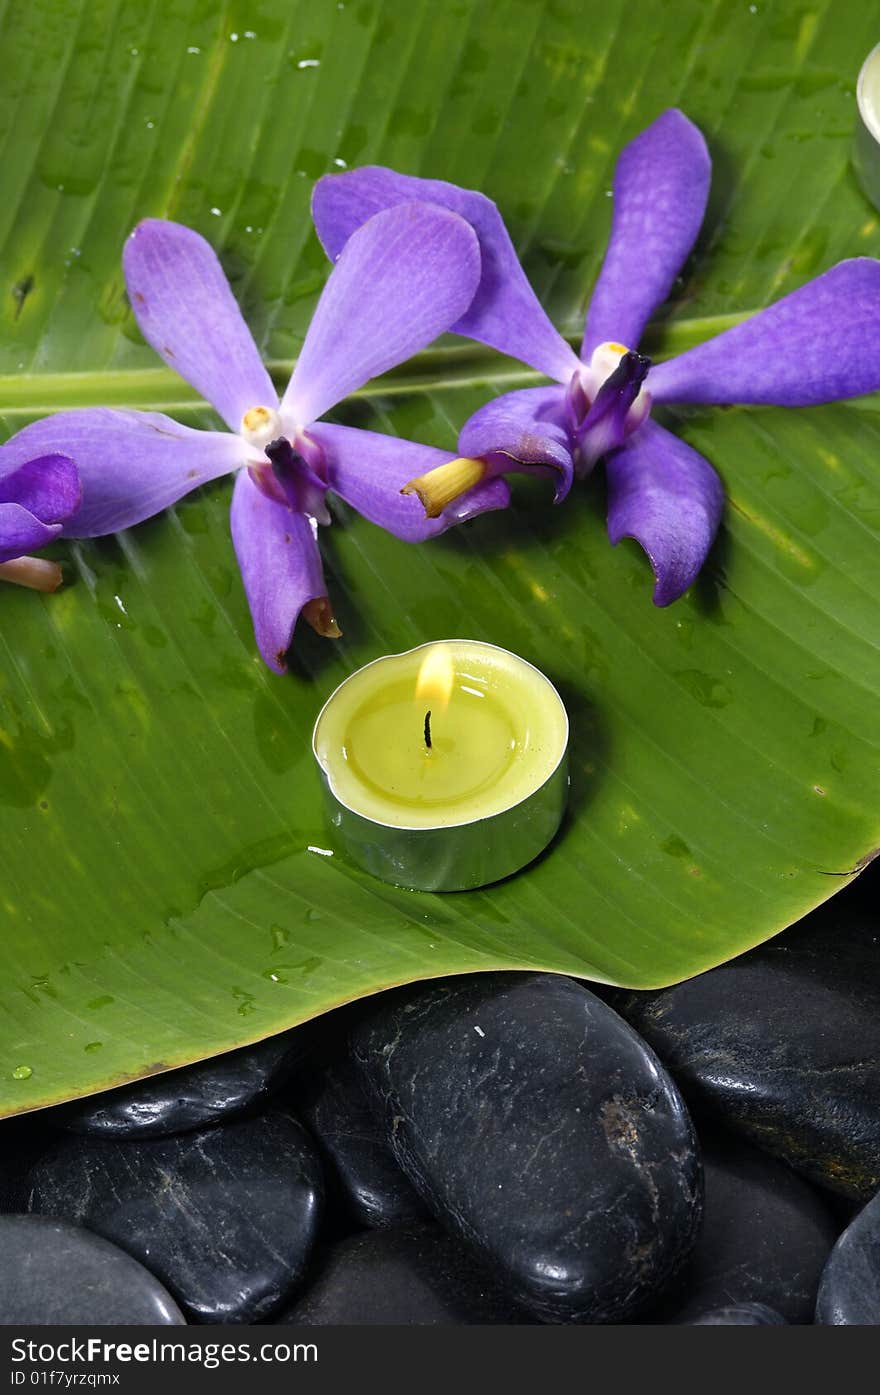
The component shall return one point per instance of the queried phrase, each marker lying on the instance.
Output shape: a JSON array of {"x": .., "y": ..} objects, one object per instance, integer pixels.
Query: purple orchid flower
[
  {"x": 406, "y": 276},
  {"x": 816, "y": 345},
  {"x": 36, "y": 497}
]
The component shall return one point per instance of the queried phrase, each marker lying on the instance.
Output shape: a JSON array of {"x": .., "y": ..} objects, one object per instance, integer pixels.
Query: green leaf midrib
[{"x": 466, "y": 365}]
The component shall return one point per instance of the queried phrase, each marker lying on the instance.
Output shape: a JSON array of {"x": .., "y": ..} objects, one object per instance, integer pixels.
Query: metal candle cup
[
  {"x": 444, "y": 768},
  {"x": 866, "y": 149}
]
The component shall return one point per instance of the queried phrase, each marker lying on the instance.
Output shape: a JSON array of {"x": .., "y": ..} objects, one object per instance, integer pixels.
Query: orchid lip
[
  {"x": 619, "y": 407},
  {"x": 281, "y": 454},
  {"x": 294, "y": 482},
  {"x": 603, "y": 371}
]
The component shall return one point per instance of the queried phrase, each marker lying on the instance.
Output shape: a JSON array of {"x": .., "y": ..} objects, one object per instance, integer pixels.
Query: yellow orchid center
[
  {"x": 603, "y": 361},
  {"x": 260, "y": 425}
]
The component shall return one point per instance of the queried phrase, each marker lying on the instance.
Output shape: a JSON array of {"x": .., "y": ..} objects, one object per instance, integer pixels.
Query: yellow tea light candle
[{"x": 445, "y": 767}]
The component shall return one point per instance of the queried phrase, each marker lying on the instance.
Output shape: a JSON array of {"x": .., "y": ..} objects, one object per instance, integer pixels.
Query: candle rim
[
  {"x": 867, "y": 109},
  {"x": 462, "y": 823}
]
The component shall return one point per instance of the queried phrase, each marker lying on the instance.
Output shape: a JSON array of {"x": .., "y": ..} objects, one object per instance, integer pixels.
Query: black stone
[
  {"x": 22, "y": 1139},
  {"x": 225, "y": 1217},
  {"x": 765, "y": 1237},
  {"x": 742, "y": 1315},
  {"x": 849, "y": 1294},
  {"x": 541, "y": 1131},
  {"x": 351, "y": 1136},
  {"x": 53, "y": 1273},
  {"x": 783, "y": 1044},
  {"x": 190, "y": 1098},
  {"x": 404, "y": 1276}
]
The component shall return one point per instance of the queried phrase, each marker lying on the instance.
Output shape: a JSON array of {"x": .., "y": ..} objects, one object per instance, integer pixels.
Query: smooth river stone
[
  {"x": 743, "y": 1315},
  {"x": 542, "y": 1131},
  {"x": 849, "y": 1294},
  {"x": 360, "y": 1163},
  {"x": 413, "y": 1275},
  {"x": 783, "y": 1044},
  {"x": 192, "y": 1097},
  {"x": 765, "y": 1237},
  {"x": 54, "y": 1273},
  {"x": 225, "y": 1217}
]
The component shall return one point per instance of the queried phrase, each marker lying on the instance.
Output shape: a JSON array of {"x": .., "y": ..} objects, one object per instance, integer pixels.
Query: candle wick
[{"x": 428, "y": 742}]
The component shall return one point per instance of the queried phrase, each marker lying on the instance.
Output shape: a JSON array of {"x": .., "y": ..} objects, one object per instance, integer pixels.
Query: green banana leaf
[{"x": 164, "y": 886}]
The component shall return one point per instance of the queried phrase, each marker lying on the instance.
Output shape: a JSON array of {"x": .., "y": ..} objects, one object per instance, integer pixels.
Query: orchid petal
[
  {"x": 21, "y": 532},
  {"x": 48, "y": 486},
  {"x": 818, "y": 344},
  {"x": 523, "y": 429},
  {"x": 665, "y": 495},
  {"x": 186, "y": 311},
  {"x": 661, "y": 185},
  {"x": 368, "y": 470},
  {"x": 402, "y": 279},
  {"x": 131, "y": 464},
  {"x": 280, "y": 566},
  {"x": 490, "y": 494},
  {"x": 505, "y": 312}
]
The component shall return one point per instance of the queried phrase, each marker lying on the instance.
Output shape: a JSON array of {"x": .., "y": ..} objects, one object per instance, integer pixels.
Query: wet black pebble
[
  {"x": 783, "y": 1044},
  {"x": 849, "y": 1294},
  {"x": 351, "y": 1136},
  {"x": 56, "y": 1274},
  {"x": 765, "y": 1237},
  {"x": 414, "y": 1275},
  {"x": 543, "y": 1132},
  {"x": 226, "y": 1217},
  {"x": 191, "y": 1098}
]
